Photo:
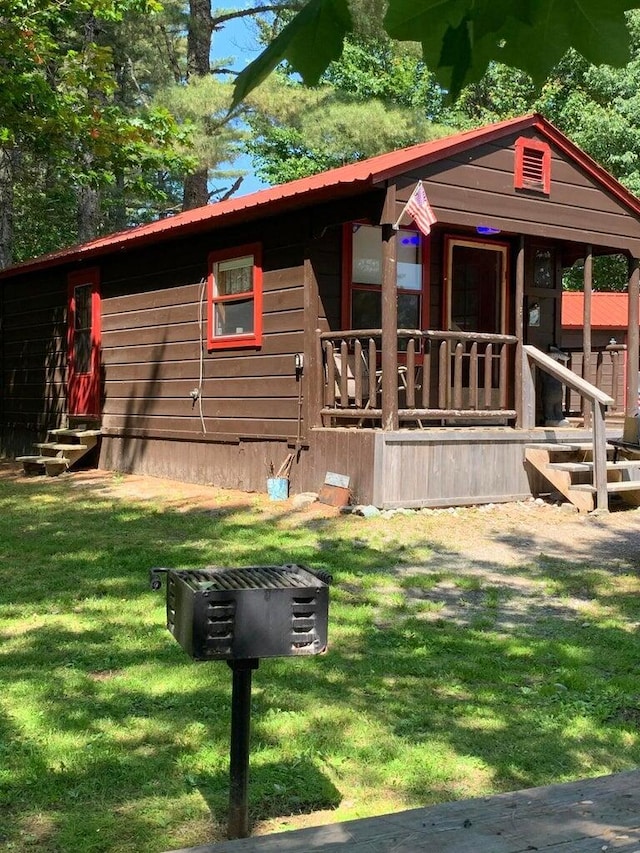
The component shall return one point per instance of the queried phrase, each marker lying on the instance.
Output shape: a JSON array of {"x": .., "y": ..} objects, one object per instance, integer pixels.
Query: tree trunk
[
  {"x": 196, "y": 189},
  {"x": 7, "y": 163},
  {"x": 88, "y": 199}
]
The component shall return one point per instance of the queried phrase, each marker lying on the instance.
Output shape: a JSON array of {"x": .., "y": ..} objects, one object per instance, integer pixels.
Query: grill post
[{"x": 238, "y": 826}]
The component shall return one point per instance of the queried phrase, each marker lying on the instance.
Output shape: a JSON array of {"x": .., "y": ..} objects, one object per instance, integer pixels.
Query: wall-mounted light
[{"x": 487, "y": 230}]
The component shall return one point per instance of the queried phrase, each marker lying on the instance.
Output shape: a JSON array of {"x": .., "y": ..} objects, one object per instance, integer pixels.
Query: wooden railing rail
[
  {"x": 442, "y": 375},
  {"x": 593, "y": 396}
]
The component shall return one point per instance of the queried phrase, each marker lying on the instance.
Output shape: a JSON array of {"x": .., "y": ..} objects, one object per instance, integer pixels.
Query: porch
[
  {"x": 446, "y": 378},
  {"x": 467, "y": 409}
]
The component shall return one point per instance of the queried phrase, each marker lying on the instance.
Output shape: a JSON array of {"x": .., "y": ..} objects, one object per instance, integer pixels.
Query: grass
[{"x": 111, "y": 739}]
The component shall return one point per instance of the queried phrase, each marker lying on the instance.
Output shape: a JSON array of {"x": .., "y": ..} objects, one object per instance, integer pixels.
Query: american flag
[{"x": 419, "y": 209}]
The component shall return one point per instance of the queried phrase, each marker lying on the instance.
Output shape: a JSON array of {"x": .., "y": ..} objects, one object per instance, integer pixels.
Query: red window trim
[
  {"x": 250, "y": 339},
  {"x": 520, "y": 179},
  {"x": 348, "y": 285},
  {"x": 90, "y": 276}
]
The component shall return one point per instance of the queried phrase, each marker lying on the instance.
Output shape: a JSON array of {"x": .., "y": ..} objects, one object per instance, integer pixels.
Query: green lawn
[{"x": 112, "y": 739}]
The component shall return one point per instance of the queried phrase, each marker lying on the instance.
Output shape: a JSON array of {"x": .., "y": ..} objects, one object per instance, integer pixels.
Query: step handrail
[{"x": 597, "y": 398}]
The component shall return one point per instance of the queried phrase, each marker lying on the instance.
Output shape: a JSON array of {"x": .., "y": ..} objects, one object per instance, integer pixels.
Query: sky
[{"x": 236, "y": 40}]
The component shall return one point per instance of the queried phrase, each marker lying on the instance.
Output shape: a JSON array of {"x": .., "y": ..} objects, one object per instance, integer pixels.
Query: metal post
[{"x": 238, "y": 826}]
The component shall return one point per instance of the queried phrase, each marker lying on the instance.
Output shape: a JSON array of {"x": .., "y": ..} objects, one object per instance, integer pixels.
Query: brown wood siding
[
  {"x": 152, "y": 343},
  {"x": 326, "y": 260},
  {"x": 476, "y": 187},
  {"x": 33, "y": 362}
]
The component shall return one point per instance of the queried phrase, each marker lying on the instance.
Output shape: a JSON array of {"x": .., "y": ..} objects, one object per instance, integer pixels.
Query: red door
[{"x": 83, "y": 340}]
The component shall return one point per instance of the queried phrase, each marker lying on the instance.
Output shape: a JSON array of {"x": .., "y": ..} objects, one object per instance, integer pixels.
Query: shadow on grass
[{"x": 114, "y": 740}]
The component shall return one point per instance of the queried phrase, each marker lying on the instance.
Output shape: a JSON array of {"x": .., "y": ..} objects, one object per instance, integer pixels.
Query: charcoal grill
[{"x": 241, "y": 615}]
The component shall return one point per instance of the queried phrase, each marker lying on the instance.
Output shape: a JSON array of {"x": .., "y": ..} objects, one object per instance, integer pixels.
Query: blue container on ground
[{"x": 278, "y": 488}]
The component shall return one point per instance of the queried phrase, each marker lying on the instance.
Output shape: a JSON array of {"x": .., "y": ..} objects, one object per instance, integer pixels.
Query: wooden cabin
[{"x": 211, "y": 345}]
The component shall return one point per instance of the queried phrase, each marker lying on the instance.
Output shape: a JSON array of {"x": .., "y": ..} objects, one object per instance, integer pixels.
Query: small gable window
[
  {"x": 235, "y": 298},
  {"x": 532, "y": 166}
]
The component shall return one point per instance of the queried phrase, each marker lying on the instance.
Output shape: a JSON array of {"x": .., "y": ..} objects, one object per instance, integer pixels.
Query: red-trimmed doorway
[{"x": 83, "y": 341}]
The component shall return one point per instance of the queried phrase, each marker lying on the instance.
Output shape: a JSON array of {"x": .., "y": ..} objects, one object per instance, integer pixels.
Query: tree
[
  {"x": 459, "y": 38},
  {"x": 66, "y": 132},
  {"x": 377, "y": 98}
]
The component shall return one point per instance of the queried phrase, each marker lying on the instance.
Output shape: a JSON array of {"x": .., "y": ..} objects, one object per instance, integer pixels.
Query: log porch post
[
  {"x": 519, "y": 333},
  {"x": 389, "y": 315},
  {"x": 586, "y": 328},
  {"x": 311, "y": 374},
  {"x": 633, "y": 336}
]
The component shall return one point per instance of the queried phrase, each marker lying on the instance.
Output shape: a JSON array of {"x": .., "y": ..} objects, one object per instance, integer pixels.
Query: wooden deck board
[{"x": 577, "y": 817}]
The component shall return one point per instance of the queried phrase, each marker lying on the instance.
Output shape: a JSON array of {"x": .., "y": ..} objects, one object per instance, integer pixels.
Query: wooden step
[
  {"x": 76, "y": 433},
  {"x": 49, "y": 445},
  {"x": 575, "y": 467},
  {"x": 55, "y": 465},
  {"x": 573, "y": 447},
  {"x": 51, "y": 465},
  {"x": 612, "y": 488}
]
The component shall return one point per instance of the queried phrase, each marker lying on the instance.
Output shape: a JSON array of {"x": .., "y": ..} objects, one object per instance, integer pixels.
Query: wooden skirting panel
[
  {"x": 412, "y": 468},
  {"x": 454, "y": 467}
]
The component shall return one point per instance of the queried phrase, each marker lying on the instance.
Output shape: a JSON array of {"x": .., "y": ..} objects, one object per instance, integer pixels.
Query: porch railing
[
  {"x": 593, "y": 397},
  {"x": 607, "y": 373},
  {"x": 442, "y": 376}
]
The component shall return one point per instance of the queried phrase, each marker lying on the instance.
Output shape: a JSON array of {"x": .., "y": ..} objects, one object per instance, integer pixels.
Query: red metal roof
[
  {"x": 355, "y": 177},
  {"x": 608, "y": 310}
]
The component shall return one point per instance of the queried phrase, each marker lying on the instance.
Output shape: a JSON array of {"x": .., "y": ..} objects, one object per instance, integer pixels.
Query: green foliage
[
  {"x": 459, "y": 38},
  {"x": 610, "y": 273},
  {"x": 379, "y": 97},
  {"x": 75, "y": 112},
  {"x": 202, "y": 106}
]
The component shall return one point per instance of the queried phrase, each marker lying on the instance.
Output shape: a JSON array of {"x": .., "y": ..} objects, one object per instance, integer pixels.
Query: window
[
  {"x": 532, "y": 166},
  {"x": 364, "y": 308},
  {"x": 235, "y": 298}
]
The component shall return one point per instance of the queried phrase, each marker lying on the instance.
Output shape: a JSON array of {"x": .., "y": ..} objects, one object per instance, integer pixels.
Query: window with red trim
[
  {"x": 235, "y": 298},
  {"x": 364, "y": 284},
  {"x": 532, "y": 166}
]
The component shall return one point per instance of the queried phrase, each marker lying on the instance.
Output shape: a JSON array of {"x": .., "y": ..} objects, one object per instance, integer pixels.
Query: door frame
[
  {"x": 499, "y": 247},
  {"x": 84, "y": 388}
]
